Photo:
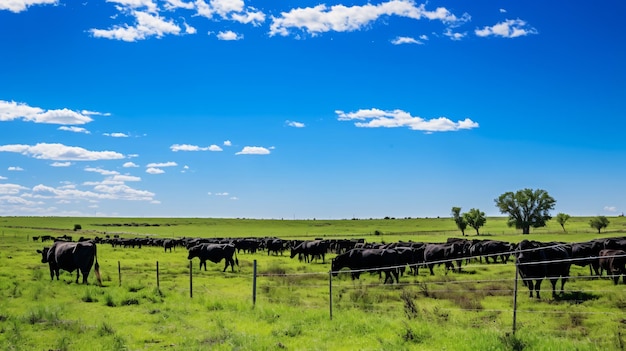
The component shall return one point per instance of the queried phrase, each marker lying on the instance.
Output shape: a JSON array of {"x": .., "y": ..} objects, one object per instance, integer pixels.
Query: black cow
[
  {"x": 375, "y": 260},
  {"x": 536, "y": 260},
  {"x": 275, "y": 245},
  {"x": 586, "y": 253},
  {"x": 436, "y": 254},
  {"x": 70, "y": 256},
  {"x": 214, "y": 253},
  {"x": 614, "y": 263},
  {"x": 310, "y": 249}
]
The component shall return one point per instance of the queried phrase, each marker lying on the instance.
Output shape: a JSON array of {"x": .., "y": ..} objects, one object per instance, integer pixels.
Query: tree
[
  {"x": 459, "y": 220},
  {"x": 526, "y": 208},
  {"x": 562, "y": 218},
  {"x": 599, "y": 223},
  {"x": 475, "y": 218}
]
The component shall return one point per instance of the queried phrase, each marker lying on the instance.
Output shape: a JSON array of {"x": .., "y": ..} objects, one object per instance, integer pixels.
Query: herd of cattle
[{"x": 535, "y": 260}]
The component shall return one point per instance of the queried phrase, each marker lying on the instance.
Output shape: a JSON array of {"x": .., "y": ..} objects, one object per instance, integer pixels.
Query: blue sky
[{"x": 307, "y": 109}]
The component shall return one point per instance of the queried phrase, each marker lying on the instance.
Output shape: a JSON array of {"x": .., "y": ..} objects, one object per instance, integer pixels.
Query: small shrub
[
  {"x": 108, "y": 300},
  {"x": 129, "y": 301},
  {"x": 105, "y": 329},
  {"x": 512, "y": 342}
]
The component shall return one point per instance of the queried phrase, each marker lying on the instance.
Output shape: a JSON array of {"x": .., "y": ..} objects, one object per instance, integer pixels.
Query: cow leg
[
  {"x": 537, "y": 288},
  {"x": 225, "y": 265},
  {"x": 85, "y": 275},
  {"x": 77, "y": 275},
  {"x": 530, "y": 284},
  {"x": 430, "y": 266}
]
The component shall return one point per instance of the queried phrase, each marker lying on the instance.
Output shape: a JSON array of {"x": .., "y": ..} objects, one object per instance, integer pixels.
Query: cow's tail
[{"x": 97, "y": 266}]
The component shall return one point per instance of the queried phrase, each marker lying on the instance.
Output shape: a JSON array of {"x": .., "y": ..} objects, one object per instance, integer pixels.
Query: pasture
[{"x": 471, "y": 310}]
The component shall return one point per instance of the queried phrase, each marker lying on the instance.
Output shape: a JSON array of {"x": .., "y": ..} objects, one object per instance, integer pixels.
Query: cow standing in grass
[
  {"x": 70, "y": 256},
  {"x": 214, "y": 253}
]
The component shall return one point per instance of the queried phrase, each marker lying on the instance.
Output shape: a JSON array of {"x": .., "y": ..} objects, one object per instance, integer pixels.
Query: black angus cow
[
  {"x": 70, "y": 256},
  {"x": 491, "y": 249},
  {"x": 169, "y": 244},
  {"x": 536, "y": 260},
  {"x": 586, "y": 253},
  {"x": 310, "y": 249},
  {"x": 436, "y": 254},
  {"x": 275, "y": 245},
  {"x": 614, "y": 263},
  {"x": 374, "y": 260},
  {"x": 214, "y": 253}
]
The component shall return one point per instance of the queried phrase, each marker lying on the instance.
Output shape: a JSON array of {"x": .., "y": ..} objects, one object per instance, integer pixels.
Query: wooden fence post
[
  {"x": 254, "y": 283},
  {"x": 119, "y": 272}
]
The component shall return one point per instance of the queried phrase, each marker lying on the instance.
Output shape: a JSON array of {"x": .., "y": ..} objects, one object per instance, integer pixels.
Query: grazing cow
[
  {"x": 275, "y": 245},
  {"x": 70, "y": 256},
  {"x": 614, "y": 263},
  {"x": 586, "y": 253},
  {"x": 536, "y": 260},
  {"x": 310, "y": 249},
  {"x": 214, "y": 253},
  {"x": 436, "y": 254},
  {"x": 376, "y": 260},
  {"x": 169, "y": 244}
]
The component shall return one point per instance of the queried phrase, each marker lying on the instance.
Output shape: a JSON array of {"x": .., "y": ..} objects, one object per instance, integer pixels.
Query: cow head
[{"x": 44, "y": 254}]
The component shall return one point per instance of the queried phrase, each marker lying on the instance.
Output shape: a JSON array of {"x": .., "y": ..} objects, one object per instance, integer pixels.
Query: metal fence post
[
  {"x": 515, "y": 297},
  {"x": 157, "y": 276},
  {"x": 330, "y": 294},
  {"x": 119, "y": 272},
  {"x": 254, "y": 283},
  {"x": 190, "y": 279}
]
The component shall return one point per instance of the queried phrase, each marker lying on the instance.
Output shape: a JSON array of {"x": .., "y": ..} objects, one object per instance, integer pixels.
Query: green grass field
[{"x": 472, "y": 310}]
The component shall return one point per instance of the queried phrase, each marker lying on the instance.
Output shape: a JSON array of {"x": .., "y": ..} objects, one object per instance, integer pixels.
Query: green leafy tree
[
  {"x": 562, "y": 218},
  {"x": 599, "y": 223},
  {"x": 526, "y": 208},
  {"x": 459, "y": 220},
  {"x": 475, "y": 218}
]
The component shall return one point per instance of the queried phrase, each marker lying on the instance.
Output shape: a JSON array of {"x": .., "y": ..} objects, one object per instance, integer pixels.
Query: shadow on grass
[{"x": 576, "y": 297}]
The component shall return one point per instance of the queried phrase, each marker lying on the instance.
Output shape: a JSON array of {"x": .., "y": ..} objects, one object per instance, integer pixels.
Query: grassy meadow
[{"x": 471, "y": 310}]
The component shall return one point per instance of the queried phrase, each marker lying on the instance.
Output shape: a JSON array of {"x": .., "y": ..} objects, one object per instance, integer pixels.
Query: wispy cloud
[
  {"x": 130, "y": 165},
  {"x": 116, "y": 135},
  {"x": 187, "y": 147},
  {"x": 341, "y": 18},
  {"x": 375, "y": 118},
  {"x": 507, "y": 29},
  {"x": 162, "y": 164},
  {"x": 295, "y": 124},
  {"x": 60, "y": 152},
  {"x": 153, "y": 170},
  {"x": 61, "y": 164},
  {"x": 11, "y": 110},
  {"x": 405, "y": 40},
  {"x": 253, "y": 150},
  {"x": 146, "y": 24},
  {"x": 74, "y": 129},
  {"x": 21, "y": 5},
  {"x": 15, "y": 169}
]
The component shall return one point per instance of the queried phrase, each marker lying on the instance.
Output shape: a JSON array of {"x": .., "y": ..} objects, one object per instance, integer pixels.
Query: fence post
[
  {"x": 157, "y": 276},
  {"x": 119, "y": 272},
  {"x": 330, "y": 294},
  {"x": 254, "y": 283},
  {"x": 515, "y": 297},
  {"x": 190, "y": 279}
]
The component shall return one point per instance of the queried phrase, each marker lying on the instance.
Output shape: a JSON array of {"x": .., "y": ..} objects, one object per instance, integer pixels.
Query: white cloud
[
  {"x": 221, "y": 194},
  {"x": 60, "y": 152},
  {"x": 148, "y": 5},
  {"x": 61, "y": 164},
  {"x": 187, "y": 147},
  {"x": 3, "y": 178},
  {"x": 189, "y": 29},
  {"x": 228, "y": 143},
  {"x": 129, "y": 165},
  {"x": 74, "y": 129},
  {"x": 11, "y": 189},
  {"x": 175, "y": 4},
  {"x": 253, "y": 150},
  {"x": 11, "y": 110},
  {"x": 21, "y": 5},
  {"x": 116, "y": 135},
  {"x": 229, "y": 35},
  {"x": 100, "y": 192},
  {"x": 340, "y": 18},
  {"x": 163, "y": 164},
  {"x": 375, "y": 118},
  {"x": 125, "y": 178},
  {"x": 153, "y": 170},
  {"x": 507, "y": 29},
  {"x": 101, "y": 171},
  {"x": 295, "y": 124},
  {"x": 146, "y": 25},
  {"x": 610, "y": 208},
  {"x": 454, "y": 35},
  {"x": 234, "y": 10},
  {"x": 93, "y": 113},
  {"x": 405, "y": 40},
  {"x": 234, "y": 198},
  {"x": 424, "y": 37},
  {"x": 502, "y": 11},
  {"x": 15, "y": 169}
]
